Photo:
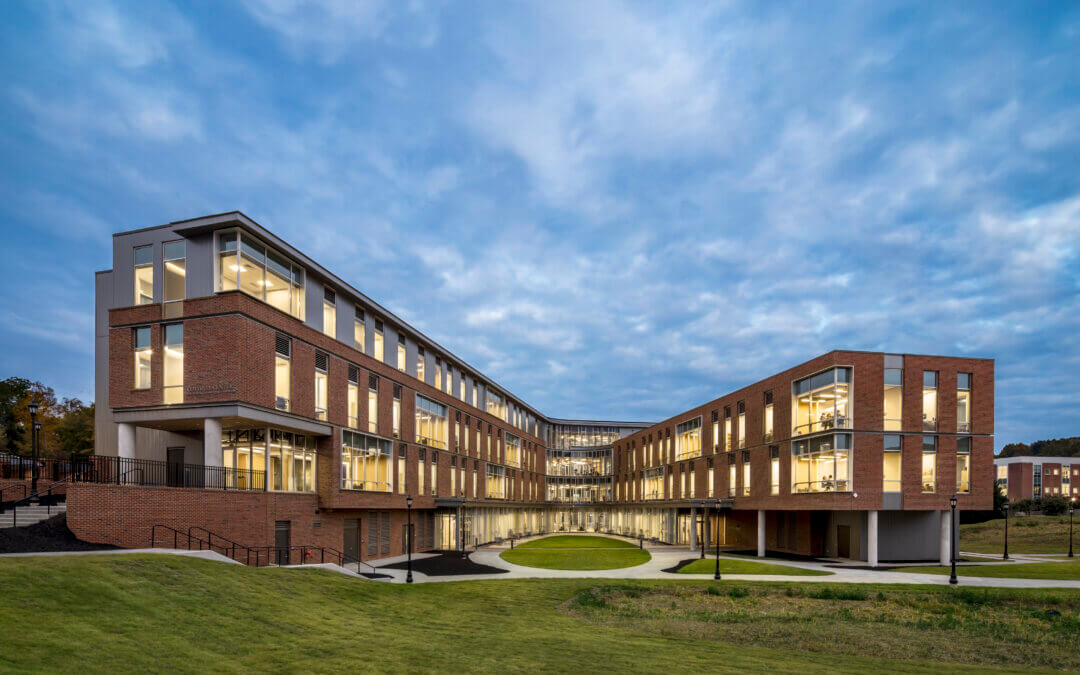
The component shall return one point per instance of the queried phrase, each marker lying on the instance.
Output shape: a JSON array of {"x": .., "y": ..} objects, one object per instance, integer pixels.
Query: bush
[
  {"x": 736, "y": 592},
  {"x": 1054, "y": 506},
  {"x": 832, "y": 593},
  {"x": 712, "y": 590},
  {"x": 1023, "y": 505}
]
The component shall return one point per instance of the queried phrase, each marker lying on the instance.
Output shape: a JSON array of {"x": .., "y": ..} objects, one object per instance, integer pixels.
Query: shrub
[
  {"x": 712, "y": 590},
  {"x": 736, "y": 592},
  {"x": 1023, "y": 505},
  {"x": 831, "y": 593},
  {"x": 1054, "y": 506}
]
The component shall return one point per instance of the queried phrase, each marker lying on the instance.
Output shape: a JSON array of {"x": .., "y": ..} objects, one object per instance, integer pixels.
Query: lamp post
[
  {"x": 1005, "y": 508},
  {"x": 34, "y": 426},
  {"x": 952, "y": 540},
  {"x": 409, "y": 536},
  {"x": 701, "y": 537},
  {"x": 1072, "y": 507},
  {"x": 716, "y": 507}
]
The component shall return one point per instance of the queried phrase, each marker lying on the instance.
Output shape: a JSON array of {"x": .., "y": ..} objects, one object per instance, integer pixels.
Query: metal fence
[{"x": 130, "y": 471}]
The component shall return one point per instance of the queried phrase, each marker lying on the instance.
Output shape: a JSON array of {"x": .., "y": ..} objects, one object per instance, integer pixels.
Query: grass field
[
  {"x": 126, "y": 613},
  {"x": 576, "y": 541},
  {"x": 1065, "y": 570},
  {"x": 572, "y": 552},
  {"x": 1038, "y": 534},
  {"x": 729, "y": 566}
]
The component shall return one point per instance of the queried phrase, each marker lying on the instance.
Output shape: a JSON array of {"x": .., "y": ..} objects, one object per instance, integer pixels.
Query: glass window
[
  {"x": 688, "y": 439},
  {"x": 774, "y": 471},
  {"x": 282, "y": 372},
  {"x": 731, "y": 476},
  {"x": 821, "y": 402},
  {"x": 359, "y": 331},
  {"x": 173, "y": 375},
  {"x": 291, "y": 463},
  {"x": 894, "y": 399},
  {"x": 144, "y": 275},
  {"x": 352, "y": 400},
  {"x": 716, "y": 431},
  {"x": 1036, "y": 480},
  {"x": 929, "y": 398},
  {"x": 438, "y": 375},
  {"x": 822, "y": 464},
  {"x": 142, "y": 357},
  {"x": 397, "y": 411},
  {"x": 963, "y": 403},
  {"x": 329, "y": 314},
  {"x": 513, "y": 451},
  {"x": 742, "y": 424},
  {"x": 278, "y": 283},
  {"x": 727, "y": 429},
  {"x": 768, "y": 417},
  {"x": 963, "y": 465},
  {"x": 495, "y": 485},
  {"x": 379, "y": 341},
  {"x": 321, "y": 366},
  {"x": 421, "y": 471},
  {"x": 401, "y": 352},
  {"x": 175, "y": 270},
  {"x": 431, "y": 423},
  {"x": 373, "y": 403},
  {"x": 929, "y": 464},
  {"x": 244, "y": 263},
  {"x": 746, "y": 477},
  {"x": 892, "y": 463},
  {"x": 401, "y": 471},
  {"x": 421, "y": 362},
  {"x": 365, "y": 462},
  {"x": 496, "y": 404}
]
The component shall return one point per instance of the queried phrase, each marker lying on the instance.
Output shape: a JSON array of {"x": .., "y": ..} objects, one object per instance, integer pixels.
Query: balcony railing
[
  {"x": 823, "y": 424},
  {"x": 131, "y": 471},
  {"x": 806, "y": 487}
]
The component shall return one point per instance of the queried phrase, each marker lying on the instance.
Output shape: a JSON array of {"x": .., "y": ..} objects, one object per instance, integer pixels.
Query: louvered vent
[
  {"x": 373, "y": 382},
  {"x": 354, "y": 374},
  {"x": 321, "y": 361},
  {"x": 282, "y": 345}
]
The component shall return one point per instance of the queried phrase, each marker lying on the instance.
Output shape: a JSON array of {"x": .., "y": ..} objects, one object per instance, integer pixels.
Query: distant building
[{"x": 1030, "y": 477}]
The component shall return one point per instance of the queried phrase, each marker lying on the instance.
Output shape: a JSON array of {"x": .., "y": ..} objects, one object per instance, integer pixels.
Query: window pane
[{"x": 278, "y": 292}]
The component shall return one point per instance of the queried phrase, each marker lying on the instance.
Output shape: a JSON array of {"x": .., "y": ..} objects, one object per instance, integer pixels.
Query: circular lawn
[{"x": 576, "y": 552}]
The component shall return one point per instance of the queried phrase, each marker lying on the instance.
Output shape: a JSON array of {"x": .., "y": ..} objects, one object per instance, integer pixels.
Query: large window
[
  {"x": 565, "y": 436},
  {"x": 727, "y": 428},
  {"x": 963, "y": 465},
  {"x": 929, "y": 463},
  {"x": 244, "y": 263},
  {"x": 173, "y": 375},
  {"x": 822, "y": 402},
  {"x": 821, "y": 464},
  {"x": 746, "y": 473},
  {"x": 495, "y": 485},
  {"x": 894, "y": 399},
  {"x": 929, "y": 400},
  {"x": 401, "y": 352},
  {"x": 731, "y": 475},
  {"x": 353, "y": 397},
  {"x": 774, "y": 470},
  {"x": 321, "y": 367},
  {"x": 513, "y": 451},
  {"x": 379, "y": 342},
  {"x": 654, "y": 483},
  {"x": 688, "y": 439},
  {"x": 373, "y": 403},
  {"x": 963, "y": 403},
  {"x": 243, "y": 452},
  {"x": 282, "y": 371},
  {"x": 397, "y": 411},
  {"x": 431, "y": 423},
  {"x": 742, "y": 424},
  {"x": 496, "y": 404},
  {"x": 768, "y": 437},
  {"x": 143, "y": 352},
  {"x": 174, "y": 255},
  {"x": 359, "y": 331},
  {"x": 365, "y": 462},
  {"x": 144, "y": 275},
  {"x": 329, "y": 312},
  {"x": 292, "y": 462},
  {"x": 891, "y": 463}
]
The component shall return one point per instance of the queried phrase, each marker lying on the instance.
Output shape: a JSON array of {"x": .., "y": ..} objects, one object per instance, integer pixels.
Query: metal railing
[
  {"x": 42, "y": 496},
  {"x": 833, "y": 485}
]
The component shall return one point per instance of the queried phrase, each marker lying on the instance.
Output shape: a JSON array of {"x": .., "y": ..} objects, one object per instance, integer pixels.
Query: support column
[
  {"x": 212, "y": 455},
  {"x": 693, "y": 528},
  {"x": 945, "y": 530},
  {"x": 872, "y": 538},
  {"x": 761, "y": 533},
  {"x": 125, "y": 440}
]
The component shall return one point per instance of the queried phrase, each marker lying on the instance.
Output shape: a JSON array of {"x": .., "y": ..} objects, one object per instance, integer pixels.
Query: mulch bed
[
  {"x": 446, "y": 564},
  {"x": 682, "y": 564},
  {"x": 48, "y": 535}
]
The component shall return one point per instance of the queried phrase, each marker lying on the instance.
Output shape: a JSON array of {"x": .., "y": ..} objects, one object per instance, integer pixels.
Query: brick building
[
  {"x": 247, "y": 390},
  {"x": 1038, "y": 477}
]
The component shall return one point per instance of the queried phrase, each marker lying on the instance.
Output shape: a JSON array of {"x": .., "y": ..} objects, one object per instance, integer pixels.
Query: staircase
[{"x": 30, "y": 514}]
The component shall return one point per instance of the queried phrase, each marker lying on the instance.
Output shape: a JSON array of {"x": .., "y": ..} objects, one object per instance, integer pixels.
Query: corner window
[
  {"x": 173, "y": 370},
  {"x": 175, "y": 257},
  {"x": 245, "y": 263},
  {"x": 292, "y": 462},
  {"x": 144, "y": 275},
  {"x": 141, "y": 341},
  {"x": 432, "y": 427},
  {"x": 688, "y": 439},
  {"x": 963, "y": 403},
  {"x": 365, "y": 462},
  {"x": 821, "y": 464},
  {"x": 821, "y": 402}
]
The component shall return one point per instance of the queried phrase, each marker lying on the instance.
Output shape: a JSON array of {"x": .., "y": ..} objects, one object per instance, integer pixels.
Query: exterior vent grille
[
  {"x": 354, "y": 374},
  {"x": 359, "y": 314},
  {"x": 397, "y": 391},
  {"x": 373, "y": 382},
  {"x": 321, "y": 361},
  {"x": 282, "y": 344}
]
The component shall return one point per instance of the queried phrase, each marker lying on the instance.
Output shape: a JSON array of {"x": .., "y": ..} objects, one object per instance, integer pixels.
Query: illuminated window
[
  {"x": 329, "y": 315},
  {"x": 495, "y": 484},
  {"x": 144, "y": 275},
  {"x": 431, "y": 422},
  {"x": 397, "y": 411},
  {"x": 774, "y": 470},
  {"x": 143, "y": 353},
  {"x": 420, "y": 360},
  {"x": 894, "y": 398},
  {"x": 174, "y": 256},
  {"x": 438, "y": 374},
  {"x": 513, "y": 451},
  {"x": 322, "y": 363},
  {"x": 353, "y": 397},
  {"x": 929, "y": 400},
  {"x": 379, "y": 341},
  {"x": 365, "y": 462},
  {"x": 244, "y": 263},
  {"x": 401, "y": 352},
  {"x": 291, "y": 463},
  {"x": 401, "y": 470},
  {"x": 731, "y": 475},
  {"x": 963, "y": 465},
  {"x": 768, "y": 417},
  {"x": 421, "y": 471},
  {"x": 963, "y": 403},
  {"x": 373, "y": 403},
  {"x": 742, "y": 424},
  {"x": 746, "y": 474},
  {"x": 360, "y": 331},
  {"x": 173, "y": 375},
  {"x": 821, "y": 403},
  {"x": 891, "y": 463},
  {"x": 282, "y": 371},
  {"x": 821, "y": 464},
  {"x": 688, "y": 439},
  {"x": 496, "y": 404},
  {"x": 727, "y": 428},
  {"x": 929, "y": 463},
  {"x": 716, "y": 431}
]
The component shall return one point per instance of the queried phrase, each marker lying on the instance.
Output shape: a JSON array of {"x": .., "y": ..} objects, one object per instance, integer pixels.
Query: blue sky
[{"x": 615, "y": 210}]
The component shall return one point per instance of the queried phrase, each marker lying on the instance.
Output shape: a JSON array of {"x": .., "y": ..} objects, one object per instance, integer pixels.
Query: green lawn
[
  {"x": 730, "y": 566},
  {"x": 576, "y": 541},
  {"x": 1034, "y": 534},
  {"x": 161, "y": 613},
  {"x": 576, "y": 558},
  {"x": 1048, "y": 570}
]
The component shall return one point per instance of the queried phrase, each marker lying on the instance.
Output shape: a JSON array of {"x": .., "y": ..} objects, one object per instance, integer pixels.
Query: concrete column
[
  {"x": 212, "y": 455},
  {"x": 125, "y": 440},
  {"x": 761, "y": 533},
  {"x": 872, "y": 538},
  {"x": 945, "y": 530},
  {"x": 693, "y": 528}
]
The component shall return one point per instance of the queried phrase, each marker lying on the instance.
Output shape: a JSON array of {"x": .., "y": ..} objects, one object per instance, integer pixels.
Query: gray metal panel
[
  {"x": 200, "y": 266},
  {"x": 891, "y": 501},
  {"x": 908, "y": 535},
  {"x": 152, "y": 415},
  {"x": 104, "y": 429},
  {"x": 313, "y": 299}
]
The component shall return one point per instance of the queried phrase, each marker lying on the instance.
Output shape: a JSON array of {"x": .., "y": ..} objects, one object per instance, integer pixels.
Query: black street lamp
[
  {"x": 1072, "y": 507},
  {"x": 952, "y": 540},
  {"x": 34, "y": 426},
  {"x": 1005, "y": 508},
  {"x": 716, "y": 507},
  {"x": 409, "y": 536}
]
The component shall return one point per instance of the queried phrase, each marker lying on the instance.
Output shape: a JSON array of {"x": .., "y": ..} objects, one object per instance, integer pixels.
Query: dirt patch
[{"x": 48, "y": 535}]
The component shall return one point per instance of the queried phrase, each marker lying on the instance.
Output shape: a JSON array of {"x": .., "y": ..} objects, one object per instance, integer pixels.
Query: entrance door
[
  {"x": 281, "y": 541},
  {"x": 843, "y": 541},
  {"x": 351, "y": 545},
  {"x": 447, "y": 531},
  {"x": 174, "y": 467}
]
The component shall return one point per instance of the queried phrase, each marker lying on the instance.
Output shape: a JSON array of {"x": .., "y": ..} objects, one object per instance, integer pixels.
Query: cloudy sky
[{"x": 615, "y": 210}]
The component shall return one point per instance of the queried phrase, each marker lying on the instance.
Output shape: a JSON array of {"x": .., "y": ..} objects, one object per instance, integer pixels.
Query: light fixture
[{"x": 175, "y": 268}]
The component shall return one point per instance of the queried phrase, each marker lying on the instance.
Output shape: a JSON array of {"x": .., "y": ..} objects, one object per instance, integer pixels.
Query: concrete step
[{"x": 25, "y": 516}]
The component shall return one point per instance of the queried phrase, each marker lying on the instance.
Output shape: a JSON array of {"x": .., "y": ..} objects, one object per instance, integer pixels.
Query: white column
[
  {"x": 871, "y": 537},
  {"x": 761, "y": 533},
  {"x": 693, "y": 529},
  {"x": 212, "y": 455},
  {"x": 945, "y": 532},
  {"x": 125, "y": 440}
]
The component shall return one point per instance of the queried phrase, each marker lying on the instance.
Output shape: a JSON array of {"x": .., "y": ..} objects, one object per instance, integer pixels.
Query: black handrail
[
  {"x": 4, "y": 489},
  {"x": 14, "y": 506}
]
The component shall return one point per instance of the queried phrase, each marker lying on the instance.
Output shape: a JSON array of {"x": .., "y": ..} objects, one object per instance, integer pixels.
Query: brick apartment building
[
  {"x": 1039, "y": 477},
  {"x": 247, "y": 390}
]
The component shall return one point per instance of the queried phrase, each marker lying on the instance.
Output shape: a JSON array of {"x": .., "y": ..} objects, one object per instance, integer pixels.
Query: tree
[
  {"x": 1000, "y": 498},
  {"x": 1054, "y": 506},
  {"x": 12, "y": 391},
  {"x": 74, "y": 430}
]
